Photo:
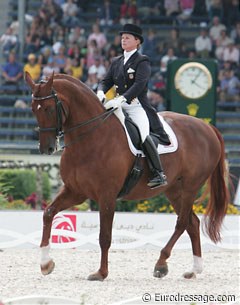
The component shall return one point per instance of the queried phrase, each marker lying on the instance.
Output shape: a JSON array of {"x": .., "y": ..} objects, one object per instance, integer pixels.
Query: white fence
[{"x": 81, "y": 229}]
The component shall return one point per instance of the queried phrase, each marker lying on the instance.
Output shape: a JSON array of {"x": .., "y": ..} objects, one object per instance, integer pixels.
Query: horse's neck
[{"x": 80, "y": 102}]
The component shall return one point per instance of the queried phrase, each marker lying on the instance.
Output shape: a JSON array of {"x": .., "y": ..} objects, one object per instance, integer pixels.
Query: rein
[{"x": 60, "y": 110}]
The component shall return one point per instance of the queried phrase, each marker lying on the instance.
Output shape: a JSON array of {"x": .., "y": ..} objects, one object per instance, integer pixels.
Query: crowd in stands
[{"x": 56, "y": 40}]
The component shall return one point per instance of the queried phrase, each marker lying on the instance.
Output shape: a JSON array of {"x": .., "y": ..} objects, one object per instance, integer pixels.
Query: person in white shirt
[{"x": 203, "y": 44}]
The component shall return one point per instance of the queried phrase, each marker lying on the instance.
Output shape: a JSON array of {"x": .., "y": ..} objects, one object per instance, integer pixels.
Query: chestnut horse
[{"x": 96, "y": 161}]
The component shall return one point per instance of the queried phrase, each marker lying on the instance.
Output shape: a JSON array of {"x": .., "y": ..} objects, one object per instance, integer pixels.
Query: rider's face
[{"x": 129, "y": 42}]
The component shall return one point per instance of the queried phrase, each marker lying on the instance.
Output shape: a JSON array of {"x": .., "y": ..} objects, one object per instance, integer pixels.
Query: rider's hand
[
  {"x": 101, "y": 96},
  {"x": 116, "y": 102}
]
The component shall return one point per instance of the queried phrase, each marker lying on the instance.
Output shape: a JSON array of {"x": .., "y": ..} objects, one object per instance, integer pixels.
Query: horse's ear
[
  {"x": 50, "y": 82},
  {"x": 29, "y": 80}
]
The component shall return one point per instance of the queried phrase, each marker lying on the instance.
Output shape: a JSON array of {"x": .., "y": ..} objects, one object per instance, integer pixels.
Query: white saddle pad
[{"x": 162, "y": 149}]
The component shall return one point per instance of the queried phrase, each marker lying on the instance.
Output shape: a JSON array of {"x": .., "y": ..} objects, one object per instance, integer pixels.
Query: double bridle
[{"x": 60, "y": 111}]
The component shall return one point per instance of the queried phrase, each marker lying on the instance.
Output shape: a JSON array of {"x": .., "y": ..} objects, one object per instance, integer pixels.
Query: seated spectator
[
  {"x": 92, "y": 80},
  {"x": 116, "y": 44},
  {"x": 231, "y": 13},
  {"x": 203, "y": 43},
  {"x": 231, "y": 53},
  {"x": 54, "y": 12},
  {"x": 156, "y": 100},
  {"x": 199, "y": 9},
  {"x": 98, "y": 36},
  {"x": 149, "y": 46},
  {"x": 166, "y": 59},
  {"x": 172, "y": 41},
  {"x": 235, "y": 34},
  {"x": 221, "y": 43},
  {"x": 49, "y": 68},
  {"x": 60, "y": 59},
  {"x": 171, "y": 7},
  {"x": 12, "y": 71},
  {"x": 215, "y": 30},
  {"x": 128, "y": 12},
  {"x": 77, "y": 36},
  {"x": 215, "y": 9},
  {"x": 229, "y": 89},
  {"x": 33, "y": 67},
  {"x": 46, "y": 52},
  {"x": 186, "y": 7},
  {"x": 9, "y": 42},
  {"x": 75, "y": 67},
  {"x": 106, "y": 13},
  {"x": 92, "y": 52},
  {"x": 70, "y": 11},
  {"x": 32, "y": 45},
  {"x": 97, "y": 68},
  {"x": 47, "y": 38}
]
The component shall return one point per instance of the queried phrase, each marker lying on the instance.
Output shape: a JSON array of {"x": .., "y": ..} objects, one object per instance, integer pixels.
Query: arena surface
[{"x": 130, "y": 276}]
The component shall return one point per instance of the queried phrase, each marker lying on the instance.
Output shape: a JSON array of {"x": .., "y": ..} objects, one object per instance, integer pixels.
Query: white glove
[
  {"x": 116, "y": 102},
  {"x": 101, "y": 96}
]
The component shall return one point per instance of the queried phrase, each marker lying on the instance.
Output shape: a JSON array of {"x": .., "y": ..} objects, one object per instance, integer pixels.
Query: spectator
[
  {"x": 203, "y": 44},
  {"x": 49, "y": 68},
  {"x": 97, "y": 68},
  {"x": 54, "y": 12},
  {"x": 166, "y": 59},
  {"x": 221, "y": 44},
  {"x": 128, "y": 12},
  {"x": 33, "y": 67},
  {"x": 106, "y": 13},
  {"x": 186, "y": 7},
  {"x": 92, "y": 52},
  {"x": 92, "y": 80},
  {"x": 12, "y": 71},
  {"x": 70, "y": 11},
  {"x": 215, "y": 29},
  {"x": 149, "y": 46},
  {"x": 156, "y": 100},
  {"x": 235, "y": 34},
  {"x": 98, "y": 36},
  {"x": 32, "y": 45},
  {"x": 47, "y": 38},
  {"x": 232, "y": 13},
  {"x": 172, "y": 41},
  {"x": 116, "y": 45},
  {"x": 231, "y": 53},
  {"x": 77, "y": 36},
  {"x": 215, "y": 9},
  {"x": 60, "y": 59},
  {"x": 75, "y": 67},
  {"x": 9, "y": 42},
  {"x": 199, "y": 9},
  {"x": 171, "y": 7},
  {"x": 229, "y": 89}
]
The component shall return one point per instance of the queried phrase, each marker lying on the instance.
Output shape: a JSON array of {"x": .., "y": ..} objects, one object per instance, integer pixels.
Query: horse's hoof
[
  {"x": 189, "y": 275},
  {"x": 48, "y": 268},
  {"x": 160, "y": 271},
  {"x": 96, "y": 277}
]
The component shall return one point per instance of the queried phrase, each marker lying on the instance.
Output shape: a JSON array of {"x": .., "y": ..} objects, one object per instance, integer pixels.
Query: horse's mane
[{"x": 76, "y": 82}]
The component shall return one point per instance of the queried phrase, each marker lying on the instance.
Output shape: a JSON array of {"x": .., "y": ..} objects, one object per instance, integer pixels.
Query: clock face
[{"x": 193, "y": 80}]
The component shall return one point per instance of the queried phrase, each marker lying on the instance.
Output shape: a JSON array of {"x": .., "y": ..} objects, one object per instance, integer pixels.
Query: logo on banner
[{"x": 64, "y": 222}]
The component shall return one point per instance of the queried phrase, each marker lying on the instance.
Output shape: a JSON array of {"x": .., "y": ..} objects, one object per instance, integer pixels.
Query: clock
[{"x": 193, "y": 80}]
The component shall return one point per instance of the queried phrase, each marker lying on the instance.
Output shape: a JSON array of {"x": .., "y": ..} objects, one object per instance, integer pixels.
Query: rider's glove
[
  {"x": 101, "y": 96},
  {"x": 116, "y": 102}
]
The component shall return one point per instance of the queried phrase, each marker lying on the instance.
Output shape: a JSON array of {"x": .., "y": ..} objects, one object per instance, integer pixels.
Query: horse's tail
[{"x": 219, "y": 196}]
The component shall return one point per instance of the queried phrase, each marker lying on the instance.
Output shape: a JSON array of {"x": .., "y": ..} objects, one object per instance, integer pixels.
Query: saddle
[{"x": 134, "y": 134}]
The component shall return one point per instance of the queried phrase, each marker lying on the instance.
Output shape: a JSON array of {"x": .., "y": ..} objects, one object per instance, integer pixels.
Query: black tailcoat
[{"x": 131, "y": 81}]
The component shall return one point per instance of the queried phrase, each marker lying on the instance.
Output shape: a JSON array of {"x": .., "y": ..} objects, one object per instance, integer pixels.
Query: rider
[{"x": 130, "y": 74}]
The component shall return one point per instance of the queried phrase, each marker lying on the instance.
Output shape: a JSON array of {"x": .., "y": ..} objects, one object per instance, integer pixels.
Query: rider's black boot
[{"x": 150, "y": 151}]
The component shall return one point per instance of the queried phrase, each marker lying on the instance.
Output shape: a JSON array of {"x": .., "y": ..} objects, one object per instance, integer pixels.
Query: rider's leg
[{"x": 139, "y": 116}]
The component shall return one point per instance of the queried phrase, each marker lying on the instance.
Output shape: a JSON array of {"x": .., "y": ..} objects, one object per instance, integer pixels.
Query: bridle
[{"x": 60, "y": 111}]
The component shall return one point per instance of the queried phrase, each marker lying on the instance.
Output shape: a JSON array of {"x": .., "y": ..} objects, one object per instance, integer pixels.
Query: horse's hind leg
[
  {"x": 182, "y": 203},
  {"x": 65, "y": 199},
  {"x": 194, "y": 234}
]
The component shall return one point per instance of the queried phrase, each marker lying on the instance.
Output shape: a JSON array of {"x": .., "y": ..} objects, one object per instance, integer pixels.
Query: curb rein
[{"x": 60, "y": 111}]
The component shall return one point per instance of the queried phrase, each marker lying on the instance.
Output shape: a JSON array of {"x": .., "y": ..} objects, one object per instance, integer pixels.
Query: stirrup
[{"x": 158, "y": 180}]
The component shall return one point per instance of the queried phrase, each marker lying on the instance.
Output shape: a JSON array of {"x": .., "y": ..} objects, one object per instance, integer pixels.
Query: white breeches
[{"x": 139, "y": 117}]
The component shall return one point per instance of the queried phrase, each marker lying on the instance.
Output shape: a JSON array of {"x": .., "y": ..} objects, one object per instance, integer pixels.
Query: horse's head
[{"x": 48, "y": 111}]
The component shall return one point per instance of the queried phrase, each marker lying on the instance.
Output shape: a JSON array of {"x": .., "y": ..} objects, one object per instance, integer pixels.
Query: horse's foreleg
[
  {"x": 65, "y": 199},
  {"x": 105, "y": 238},
  {"x": 193, "y": 232}
]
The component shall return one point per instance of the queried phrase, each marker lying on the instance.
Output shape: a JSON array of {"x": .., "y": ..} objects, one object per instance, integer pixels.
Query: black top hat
[{"x": 132, "y": 29}]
